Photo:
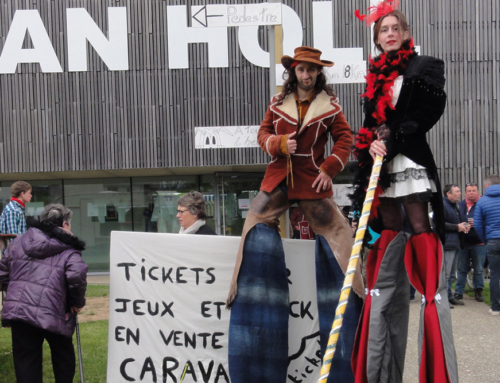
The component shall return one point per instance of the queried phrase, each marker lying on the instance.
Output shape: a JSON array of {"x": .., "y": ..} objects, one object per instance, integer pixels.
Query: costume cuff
[
  {"x": 283, "y": 145},
  {"x": 332, "y": 165},
  {"x": 273, "y": 145}
]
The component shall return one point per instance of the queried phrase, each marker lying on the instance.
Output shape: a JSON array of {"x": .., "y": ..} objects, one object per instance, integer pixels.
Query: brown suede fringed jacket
[{"x": 323, "y": 119}]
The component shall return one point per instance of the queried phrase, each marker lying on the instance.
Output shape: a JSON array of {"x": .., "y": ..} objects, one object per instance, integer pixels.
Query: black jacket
[
  {"x": 205, "y": 230},
  {"x": 452, "y": 217},
  {"x": 471, "y": 238},
  {"x": 419, "y": 107}
]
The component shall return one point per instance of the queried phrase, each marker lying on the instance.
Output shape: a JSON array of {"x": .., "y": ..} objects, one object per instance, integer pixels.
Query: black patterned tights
[{"x": 416, "y": 211}]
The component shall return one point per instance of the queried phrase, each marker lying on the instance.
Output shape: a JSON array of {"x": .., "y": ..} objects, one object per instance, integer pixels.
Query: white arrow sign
[{"x": 223, "y": 15}]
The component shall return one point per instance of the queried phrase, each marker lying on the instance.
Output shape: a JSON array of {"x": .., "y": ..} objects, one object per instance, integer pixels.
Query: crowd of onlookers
[
  {"x": 46, "y": 275},
  {"x": 473, "y": 240}
]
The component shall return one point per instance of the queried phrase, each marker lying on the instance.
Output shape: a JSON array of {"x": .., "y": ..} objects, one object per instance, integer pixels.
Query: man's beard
[{"x": 306, "y": 88}]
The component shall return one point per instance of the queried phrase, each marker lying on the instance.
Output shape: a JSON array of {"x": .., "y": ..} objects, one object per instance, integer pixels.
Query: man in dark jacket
[
  {"x": 454, "y": 227},
  {"x": 46, "y": 279},
  {"x": 487, "y": 225},
  {"x": 474, "y": 250}
]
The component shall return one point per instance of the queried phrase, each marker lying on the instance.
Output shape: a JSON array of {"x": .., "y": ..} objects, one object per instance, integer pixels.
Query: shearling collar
[
  {"x": 322, "y": 107},
  {"x": 57, "y": 233}
]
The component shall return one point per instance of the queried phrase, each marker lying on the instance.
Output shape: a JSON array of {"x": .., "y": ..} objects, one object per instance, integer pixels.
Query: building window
[
  {"x": 144, "y": 204},
  {"x": 207, "y": 183},
  {"x": 99, "y": 206},
  {"x": 155, "y": 202}
]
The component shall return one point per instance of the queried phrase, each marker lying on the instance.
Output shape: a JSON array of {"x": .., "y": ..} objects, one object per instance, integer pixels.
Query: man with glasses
[{"x": 474, "y": 250}]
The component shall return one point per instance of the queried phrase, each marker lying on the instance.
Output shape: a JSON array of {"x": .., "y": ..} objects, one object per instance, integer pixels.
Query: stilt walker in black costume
[{"x": 404, "y": 99}]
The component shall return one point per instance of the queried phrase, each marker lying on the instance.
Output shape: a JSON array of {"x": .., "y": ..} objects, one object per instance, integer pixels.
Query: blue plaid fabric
[
  {"x": 12, "y": 220},
  {"x": 258, "y": 331},
  {"x": 329, "y": 282}
]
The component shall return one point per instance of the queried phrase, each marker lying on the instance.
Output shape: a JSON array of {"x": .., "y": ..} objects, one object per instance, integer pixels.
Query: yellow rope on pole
[{"x": 351, "y": 269}]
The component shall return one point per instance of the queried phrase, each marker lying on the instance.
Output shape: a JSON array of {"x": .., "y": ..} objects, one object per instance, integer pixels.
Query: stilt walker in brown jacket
[{"x": 297, "y": 125}]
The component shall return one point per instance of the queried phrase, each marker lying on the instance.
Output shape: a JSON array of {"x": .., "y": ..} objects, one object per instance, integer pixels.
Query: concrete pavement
[{"x": 477, "y": 342}]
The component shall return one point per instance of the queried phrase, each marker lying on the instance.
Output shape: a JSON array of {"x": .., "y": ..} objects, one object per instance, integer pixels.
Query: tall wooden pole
[
  {"x": 351, "y": 269},
  {"x": 275, "y": 54}
]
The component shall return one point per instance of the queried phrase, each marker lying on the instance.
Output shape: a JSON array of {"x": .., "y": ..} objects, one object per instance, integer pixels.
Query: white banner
[
  {"x": 223, "y": 137},
  {"x": 340, "y": 194},
  {"x": 167, "y": 316}
]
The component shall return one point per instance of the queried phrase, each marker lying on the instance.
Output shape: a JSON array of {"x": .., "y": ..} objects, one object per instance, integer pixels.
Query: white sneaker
[{"x": 495, "y": 313}]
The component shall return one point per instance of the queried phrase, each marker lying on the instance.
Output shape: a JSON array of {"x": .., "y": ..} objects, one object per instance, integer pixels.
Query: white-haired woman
[
  {"x": 191, "y": 214},
  {"x": 46, "y": 280}
]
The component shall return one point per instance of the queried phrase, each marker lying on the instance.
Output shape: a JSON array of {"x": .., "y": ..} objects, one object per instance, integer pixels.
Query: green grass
[
  {"x": 94, "y": 336},
  {"x": 97, "y": 291},
  {"x": 486, "y": 292}
]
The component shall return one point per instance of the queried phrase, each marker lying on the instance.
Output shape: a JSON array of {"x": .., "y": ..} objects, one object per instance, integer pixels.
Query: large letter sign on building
[
  {"x": 180, "y": 35},
  {"x": 28, "y": 22},
  {"x": 210, "y": 23},
  {"x": 82, "y": 28}
]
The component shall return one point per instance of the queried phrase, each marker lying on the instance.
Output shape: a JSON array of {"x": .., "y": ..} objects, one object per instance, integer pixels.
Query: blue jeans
[
  {"x": 412, "y": 292},
  {"x": 450, "y": 264},
  {"x": 476, "y": 254},
  {"x": 493, "y": 254}
]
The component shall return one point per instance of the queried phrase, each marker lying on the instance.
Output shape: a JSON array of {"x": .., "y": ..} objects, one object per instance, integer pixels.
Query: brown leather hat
[{"x": 307, "y": 54}]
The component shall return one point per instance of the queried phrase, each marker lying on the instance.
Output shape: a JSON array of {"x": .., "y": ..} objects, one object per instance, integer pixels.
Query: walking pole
[
  {"x": 79, "y": 348},
  {"x": 349, "y": 275}
]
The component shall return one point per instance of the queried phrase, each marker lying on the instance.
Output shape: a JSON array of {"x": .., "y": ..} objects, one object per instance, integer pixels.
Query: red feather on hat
[
  {"x": 377, "y": 11},
  {"x": 358, "y": 15}
]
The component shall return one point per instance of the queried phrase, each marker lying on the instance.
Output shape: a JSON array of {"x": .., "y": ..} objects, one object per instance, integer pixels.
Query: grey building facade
[{"x": 115, "y": 140}]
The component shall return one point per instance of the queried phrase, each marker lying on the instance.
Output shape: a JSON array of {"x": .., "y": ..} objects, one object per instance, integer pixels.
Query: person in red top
[
  {"x": 474, "y": 251},
  {"x": 12, "y": 220},
  {"x": 298, "y": 123}
]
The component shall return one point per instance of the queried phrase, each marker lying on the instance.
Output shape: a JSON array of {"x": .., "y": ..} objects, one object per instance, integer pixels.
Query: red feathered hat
[{"x": 377, "y": 11}]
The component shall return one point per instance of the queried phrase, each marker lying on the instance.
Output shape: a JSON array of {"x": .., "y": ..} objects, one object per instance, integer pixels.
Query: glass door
[{"x": 236, "y": 193}]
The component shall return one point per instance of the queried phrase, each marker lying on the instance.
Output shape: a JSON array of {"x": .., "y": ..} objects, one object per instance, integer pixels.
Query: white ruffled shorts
[{"x": 407, "y": 178}]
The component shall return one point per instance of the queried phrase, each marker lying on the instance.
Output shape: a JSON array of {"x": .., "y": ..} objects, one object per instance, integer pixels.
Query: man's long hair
[{"x": 290, "y": 85}]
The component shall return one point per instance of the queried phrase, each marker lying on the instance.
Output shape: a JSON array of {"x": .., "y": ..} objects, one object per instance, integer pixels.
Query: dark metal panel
[{"x": 144, "y": 117}]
